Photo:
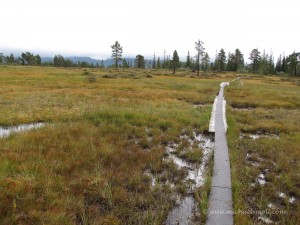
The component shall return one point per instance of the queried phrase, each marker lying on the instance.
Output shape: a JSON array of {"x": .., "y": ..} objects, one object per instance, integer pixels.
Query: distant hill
[
  {"x": 47, "y": 59},
  {"x": 75, "y": 59},
  {"x": 85, "y": 59}
]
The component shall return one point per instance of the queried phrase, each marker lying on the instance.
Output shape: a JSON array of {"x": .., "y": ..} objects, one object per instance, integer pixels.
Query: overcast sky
[{"x": 89, "y": 27}]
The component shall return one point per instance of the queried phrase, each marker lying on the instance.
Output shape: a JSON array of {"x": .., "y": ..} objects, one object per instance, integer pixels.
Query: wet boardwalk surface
[{"x": 220, "y": 200}]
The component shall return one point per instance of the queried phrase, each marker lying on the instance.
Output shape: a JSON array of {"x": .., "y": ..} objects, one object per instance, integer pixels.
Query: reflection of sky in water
[
  {"x": 5, "y": 132},
  {"x": 184, "y": 211},
  {"x": 195, "y": 171}
]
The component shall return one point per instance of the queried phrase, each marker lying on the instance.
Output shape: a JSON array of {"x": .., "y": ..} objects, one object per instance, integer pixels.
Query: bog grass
[
  {"x": 105, "y": 131},
  {"x": 267, "y": 106}
]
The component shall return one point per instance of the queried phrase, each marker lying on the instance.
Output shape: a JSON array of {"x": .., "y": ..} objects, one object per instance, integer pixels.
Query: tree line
[
  {"x": 30, "y": 59},
  {"x": 25, "y": 59},
  {"x": 260, "y": 63}
]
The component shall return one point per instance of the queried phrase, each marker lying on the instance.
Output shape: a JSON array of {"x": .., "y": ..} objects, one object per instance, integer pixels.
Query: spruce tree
[
  {"x": 231, "y": 62},
  {"x": 216, "y": 62},
  {"x": 284, "y": 65},
  {"x": 292, "y": 64},
  {"x": 193, "y": 64},
  {"x": 205, "y": 62},
  {"x": 188, "y": 61},
  {"x": 11, "y": 59},
  {"x": 263, "y": 63},
  {"x": 278, "y": 64},
  {"x": 239, "y": 60},
  {"x": 164, "y": 62},
  {"x": 154, "y": 62},
  {"x": 38, "y": 60},
  {"x": 271, "y": 67},
  {"x": 221, "y": 60},
  {"x": 124, "y": 64},
  {"x": 158, "y": 64},
  {"x": 175, "y": 61},
  {"x": 167, "y": 64},
  {"x": 255, "y": 58},
  {"x": 1, "y": 58}
]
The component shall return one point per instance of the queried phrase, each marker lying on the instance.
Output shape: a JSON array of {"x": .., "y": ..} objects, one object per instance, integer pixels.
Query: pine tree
[
  {"x": 200, "y": 51},
  {"x": 117, "y": 51},
  {"x": 140, "y": 61},
  {"x": 28, "y": 58},
  {"x": 59, "y": 61}
]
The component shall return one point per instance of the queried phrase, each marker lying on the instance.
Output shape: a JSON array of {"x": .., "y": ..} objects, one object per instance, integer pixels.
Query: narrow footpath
[{"x": 220, "y": 209}]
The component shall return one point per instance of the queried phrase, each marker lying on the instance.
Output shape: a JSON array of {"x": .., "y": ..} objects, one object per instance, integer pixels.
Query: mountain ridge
[{"x": 76, "y": 59}]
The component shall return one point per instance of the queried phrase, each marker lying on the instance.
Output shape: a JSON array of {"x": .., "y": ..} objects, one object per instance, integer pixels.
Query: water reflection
[{"x": 6, "y": 131}]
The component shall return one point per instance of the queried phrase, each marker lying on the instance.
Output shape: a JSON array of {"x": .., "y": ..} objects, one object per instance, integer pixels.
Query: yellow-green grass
[
  {"x": 203, "y": 192},
  {"x": 55, "y": 94},
  {"x": 269, "y": 106},
  {"x": 89, "y": 164}
]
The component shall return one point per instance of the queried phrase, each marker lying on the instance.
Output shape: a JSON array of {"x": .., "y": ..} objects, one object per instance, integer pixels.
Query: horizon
[{"x": 17, "y": 53}]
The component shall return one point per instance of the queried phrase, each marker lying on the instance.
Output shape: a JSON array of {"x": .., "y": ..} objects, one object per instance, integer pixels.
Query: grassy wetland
[
  {"x": 102, "y": 155},
  {"x": 264, "y": 140}
]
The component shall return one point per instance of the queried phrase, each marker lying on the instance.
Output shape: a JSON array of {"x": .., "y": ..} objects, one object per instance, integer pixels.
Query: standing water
[
  {"x": 6, "y": 131},
  {"x": 184, "y": 211}
]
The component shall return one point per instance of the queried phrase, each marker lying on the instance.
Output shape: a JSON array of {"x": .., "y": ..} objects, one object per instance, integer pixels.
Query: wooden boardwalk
[{"x": 220, "y": 209}]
